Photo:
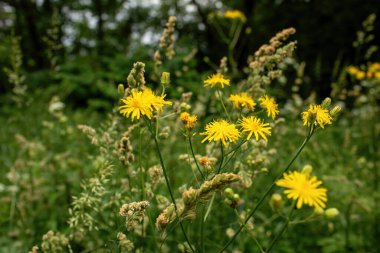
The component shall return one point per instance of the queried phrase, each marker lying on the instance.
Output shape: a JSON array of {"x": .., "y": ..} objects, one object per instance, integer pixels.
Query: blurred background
[
  {"x": 96, "y": 41},
  {"x": 61, "y": 62}
]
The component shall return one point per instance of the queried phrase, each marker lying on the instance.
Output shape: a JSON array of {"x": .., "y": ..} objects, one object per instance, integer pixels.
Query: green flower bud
[
  {"x": 276, "y": 201},
  {"x": 236, "y": 197},
  {"x": 335, "y": 111},
  {"x": 120, "y": 89},
  {"x": 326, "y": 103},
  {"x": 165, "y": 78},
  {"x": 319, "y": 211},
  {"x": 228, "y": 202},
  {"x": 307, "y": 169},
  {"x": 229, "y": 192},
  {"x": 331, "y": 213}
]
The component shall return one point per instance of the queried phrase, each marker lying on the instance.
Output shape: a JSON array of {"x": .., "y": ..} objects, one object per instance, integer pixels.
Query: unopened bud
[
  {"x": 229, "y": 192},
  {"x": 120, "y": 89},
  {"x": 165, "y": 78},
  {"x": 335, "y": 111},
  {"x": 326, "y": 103},
  {"x": 319, "y": 211},
  {"x": 276, "y": 201},
  {"x": 331, "y": 213},
  {"x": 307, "y": 169},
  {"x": 236, "y": 197}
]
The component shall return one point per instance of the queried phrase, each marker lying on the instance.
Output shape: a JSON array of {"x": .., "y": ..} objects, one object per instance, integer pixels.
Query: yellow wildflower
[
  {"x": 215, "y": 80},
  {"x": 235, "y": 14},
  {"x": 304, "y": 189},
  {"x": 221, "y": 130},
  {"x": 352, "y": 70},
  {"x": 142, "y": 103},
  {"x": 254, "y": 125},
  {"x": 136, "y": 105},
  {"x": 157, "y": 102},
  {"x": 360, "y": 75},
  {"x": 316, "y": 115},
  {"x": 242, "y": 100},
  {"x": 270, "y": 105}
]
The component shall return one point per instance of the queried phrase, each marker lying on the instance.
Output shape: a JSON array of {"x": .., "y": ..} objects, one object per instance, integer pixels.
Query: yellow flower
[
  {"x": 157, "y": 102},
  {"x": 304, "y": 189},
  {"x": 270, "y": 105},
  {"x": 254, "y": 125},
  {"x": 142, "y": 103},
  {"x": 235, "y": 14},
  {"x": 242, "y": 100},
  {"x": 221, "y": 130},
  {"x": 352, "y": 70},
  {"x": 316, "y": 115},
  {"x": 136, "y": 105},
  {"x": 374, "y": 70},
  {"x": 215, "y": 80},
  {"x": 360, "y": 75}
]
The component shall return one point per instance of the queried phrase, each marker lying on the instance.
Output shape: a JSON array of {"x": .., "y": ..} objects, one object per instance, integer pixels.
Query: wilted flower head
[{"x": 188, "y": 120}]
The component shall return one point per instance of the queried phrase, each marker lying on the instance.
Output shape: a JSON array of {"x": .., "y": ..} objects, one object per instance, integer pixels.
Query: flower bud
[
  {"x": 120, "y": 89},
  {"x": 319, "y": 211},
  {"x": 307, "y": 169},
  {"x": 228, "y": 202},
  {"x": 236, "y": 197},
  {"x": 326, "y": 103},
  {"x": 165, "y": 78},
  {"x": 276, "y": 201},
  {"x": 331, "y": 213},
  {"x": 229, "y": 192},
  {"x": 335, "y": 111}
]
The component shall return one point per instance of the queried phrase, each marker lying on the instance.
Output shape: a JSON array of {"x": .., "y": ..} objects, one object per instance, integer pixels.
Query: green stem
[
  {"x": 282, "y": 229},
  {"x": 209, "y": 207},
  {"x": 311, "y": 131},
  {"x": 233, "y": 153},
  {"x": 140, "y": 164},
  {"x": 202, "y": 231},
  {"x": 249, "y": 231},
  {"x": 195, "y": 160},
  {"x": 224, "y": 107},
  {"x": 231, "y": 48},
  {"x": 167, "y": 181},
  {"x": 222, "y": 158}
]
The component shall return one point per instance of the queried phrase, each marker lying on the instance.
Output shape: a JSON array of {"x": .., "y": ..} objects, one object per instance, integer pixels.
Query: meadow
[{"x": 151, "y": 154}]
